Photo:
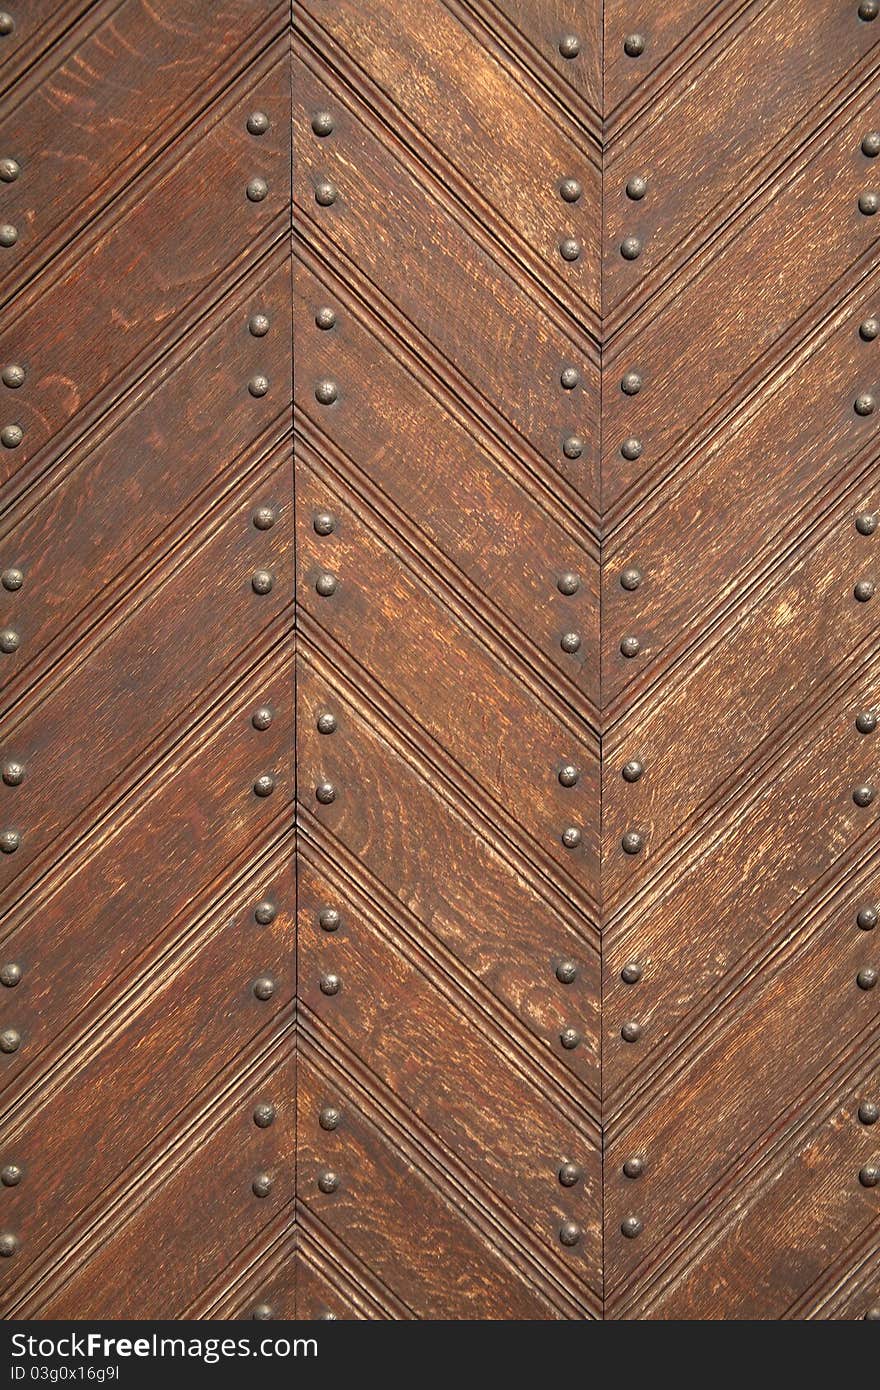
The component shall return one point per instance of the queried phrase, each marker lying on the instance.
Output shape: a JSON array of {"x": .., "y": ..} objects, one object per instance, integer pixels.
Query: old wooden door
[{"x": 490, "y": 933}]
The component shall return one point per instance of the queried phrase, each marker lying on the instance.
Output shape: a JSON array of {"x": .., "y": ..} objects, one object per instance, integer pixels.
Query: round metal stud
[
  {"x": 322, "y": 123},
  {"x": 258, "y": 325},
  {"x": 265, "y": 785},
  {"x": 569, "y": 642},
  {"x": 258, "y": 386},
  {"x": 325, "y": 793},
  {"x": 264, "y": 987},
  {"x": 867, "y": 918},
  {"x": 866, "y": 722},
  {"x": 570, "y": 1174},
  {"x": 11, "y": 1175},
  {"x": 11, "y": 436},
  {"x": 261, "y": 582},
  {"x": 871, "y": 144},
  {"x": 569, "y": 248},
  {"x": 869, "y": 9},
  {"x": 8, "y": 1244},
  {"x": 328, "y": 1181},
  {"x": 261, "y": 1312},
  {"x": 329, "y": 1118},
  {"x": 566, "y": 972},
  {"x": 869, "y": 329},
  {"x": 633, "y": 1168},
  {"x": 9, "y": 841},
  {"x": 570, "y": 1039},
  {"x": 569, "y": 378},
  {"x": 10, "y": 1040},
  {"x": 329, "y": 919},
  {"x": 631, "y": 248},
  {"x": 569, "y": 46},
  {"x": 869, "y": 203},
  {"x": 8, "y": 234},
  {"x": 9, "y": 641},
  {"x": 632, "y": 842},
  {"x": 867, "y": 977},
  {"x": 257, "y": 190},
  {"x": 264, "y": 912},
  {"x": 324, "y": 523},
  {"x": 325, "y": 319},
  {"x": 863, "y": 796},
  {"x": 632, "y": 771},
  {"x": 10, "y": 974},
  {"x": 325, "y": 194},
  {"x": 869, "y": 1176},
  {"x": 864, "y": 404},
  {"x": 326, "y": 1317},
  {"x": 7, "y": 23},
  {"x": 636, "y": 187},
  {"x": 869, "y": 1112},
  {"x": 631, "y": 384},
  {"x": 864, "y": 591},
  {"x": 631, "y": 449},
  {"x": 326, "y": 392},
  {"x": 571, "y": 837},
  {"x": 330, "y": 984},
  {"x": 264, "y": 518},
  {"x": 873, "y": 1314},
  {"x": 569, "y": 1233},
  {"x": 13, "y": 773},
  {"x": 630, "y": 578},
  {"x": 261, "y": 1185},
  {"x": 866, "y": 524},
  {"x": 630, "y": 647},
  {"x": 631, "y": 1032},
  {"x": 568, "y": 775},
  {"x": 13, "y": 376},
  {"x": 264, "y": 1114},
  {"x": 631, "y": 973},
  {"x": 326, "y": 723},
  {"x": 568, "y": 583},
  {"x": 570, "y": 190},
  {"x": 326, "y": 584},
  {"x": 631, "y": 1226},
  {"x": 634, "y": 45},
  {"x": 257, "y": 123}
]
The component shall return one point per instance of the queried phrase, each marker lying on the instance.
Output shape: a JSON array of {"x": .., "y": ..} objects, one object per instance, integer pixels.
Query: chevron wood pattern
[{"x": 440, "y": 790}]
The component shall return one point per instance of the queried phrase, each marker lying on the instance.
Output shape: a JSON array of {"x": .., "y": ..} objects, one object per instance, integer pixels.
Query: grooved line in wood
[{"x": 322, "y": 1251}]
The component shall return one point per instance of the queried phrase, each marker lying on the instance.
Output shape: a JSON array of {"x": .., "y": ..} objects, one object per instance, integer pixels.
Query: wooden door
[{"x": 439, "y": 805}]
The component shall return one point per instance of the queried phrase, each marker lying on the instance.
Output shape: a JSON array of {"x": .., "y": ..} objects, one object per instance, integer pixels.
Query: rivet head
[
  {"x": 864, "y": 591},
  {"x": 631, "y": 449},
  {"x": 11, "y": 1175},
  {"x": 324, "y": 523},
  {"x": 8, "y": 1244},
  {"x": 631, "y": 1226},
  {"x": 264, "y": 987},
  {"x": 257, "y": 190},
  {"x": 264, "y": 518},
  {"x": 869, "y": 203},
  {"x": 261, "y": 1185},
  {"x": 325, "y": 319},
  {"x": 873, "y": 1314},
  {"x": 10, "y": 974},
  {"x": 264, "y": 785},
  {"x": 636, "y": 187},
  {"x": 866, "y": 721},
  {"x": 9, "y": 841},
  {"x": 570, "y": 1039},
  {"x": 571, "y": 837},
  {"x": 9, "y": 641},
  {"x": 326, "y": 584},
  {"x": 633, "y": 1168},
  {"x": 568, "y": 583},
  {"x": 257, "y": 123},
  {"x": 871, "y": 144},
  {"x": 632, "y": 771},
  {"x": 10, "y": 1040},
  {"x": 631, "y": 973},
  {"x": 632, "y": 842},
  {"x": 570, "y": 190},
  {"x": 631, "y": 1032},
  {"x": 570, "y": 1174},
  {"x": 325, "y": 194},
  {"x": 261, "y": 1312},
  {"x": 631, "y": 248},
  {"x": 569, "y": 46},
  {"x": 634, "y": 45},
  {"x": 630, "y": 647},
  {"x": 322, "y": 123},
  {"x": 326, "y": 723},
  {"x": 869, "y": 329},
  {"x": 566, "y": 972},
  {"x": 631, "y": 383},
  {"x": 569, "y": 1233},
  {"x": 569, "y": 378},
  {"x": 8, "y": 234},
  {"x": 329, "y": 1118},
  {"x": 863, "y": 796},
  {"x": 328, "y": 1181},
  {"x": 864, "y": 404},
  {"x": 258, "y": 325},
  {"x": 869, "y": 1176},
  {"x": 867, "y": 977},
  {"x": 7, "y": 23},
  {"x": 866, "y": 524},
  {"x": 329, "y": 984},
  {"x": 13, "y": 375},
  {"x": 569, "y": 248},
  {"x": 258, "y": 386},
  {"x": 569, "y": 642},
  {"x": 326, "y": 391},
  {"x": 11, "y": 436},
  {"x": 869, "y": 1112},
  {"x": 329, "y": 919},
  {"x": 867, "y": 918},
  {"x": 264, "y": 1114},
  {"x": 325, "y": 793},
  {"x": 264, "y": 912},
  {"x": 13, "y": 773},
  {"x": 869, "y": 9},
  {"x": 630, "y": 578},
  {"x": 568, "y": 775},
  {"x": 261, "y": 582}
]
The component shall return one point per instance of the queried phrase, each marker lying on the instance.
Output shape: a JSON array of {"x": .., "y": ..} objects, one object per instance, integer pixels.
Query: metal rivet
[
  {"x": 631, "y": 1032},
  {"x": 569, "y": 248},
  {"x": 326, "y": 584},
  {"x": 570, "y": 1039},
  {"x": 864, "y": 404},
  {"x": 631, "y": 973},
  {"x": 264, "y": 1114},
  {"x": 13, "y": 376},
  {"x": 261, "y": 1312},
  {"x": 328, "y": 1181},
  {"x": 13, "y": 774},
  {"x": 869, "y": 1112},
  {"x": 571, "y": 837},
  {"x": 630, "y": 578},
  {"x": 631, "y": 248},
  {"x": 866, "y": 722},
  {"x": 264, "y": 912},
  {"x": 570, "y": 190},
  {"x": 569, "y": 46},
  {"x": 261, "y": 582},
  {"x": 326, "y": 723},
  {"x": 869, "y": 203},
  {"x": 329, "y": 1118},
  {"x": 261, "y": 1185},
  {"x": 326, "y": 391},
  {"x": 570, "y": 1174},
  {"x": 264, "y": 518},
  {"x": 257, "y": 123},
  {"x": 867, "y": 918},
  {"x": 570, "y": 642},
  {"x": 568, "y": 775},
  {"x": 871, "y": 144},
  {"x": 258, "y": 385},
  {"x": 569, "y": 1233},
  {"x": 869, "y": 1176},
  {"x": 11, "y": 1175},
  {"x": 631, "y": 449},
  {"x": 10, "y": 1040},
  {"x": 11, "y": 436},
  {"x": 569, "y": 378},
  {"x": 8, "y": 234},
  {"x": 258, "y": 325},
  {"x": 264, "y": 785},
  {"x": 631, "y": 1226},
  {"x": 264, "y": 988},
  {"x": 863, "y": 796},
  {"x": 8, "y": 1244},
  {"x": 873, "y": 1314},
  {"x": 10, "y": 975},
  {"x": 869, "y": 9},
  {"x": 568, "y": 583},
  {"x": 633, "y": 1168},
  {"x": 632, "y": 842},
  {"x": 636, "y": 187},
  {"x": 572, "y": 446},
  {"x": 632, "y": 771},
  {"x": 330, "y": 984},
  {"x": 869, "y": 329},
  {"x": 9, "y": 640},
  {"x": 566, "y": 972},
  {"x": 630, "y": 647},
  {"x": 7, "y": 23},
  {"x": 634, "y": 45},
  {"x": 864, "y": 591},
  {"x": 324, "y": 523},
  {"x": 325, "y": 792},
  {"x": 329, "y": 919},
  {"x": 325, "y": 319},
  {"x": 322, "y": 123},
  {"x": 9, "y": 841},
  {"x": 867, "y": 977},
  {"x": 866, "y": 524},
  {"x": 631, "y": 384},
  {"x": 257, "y": 190},
  {"x": 326, "y": 194}
]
